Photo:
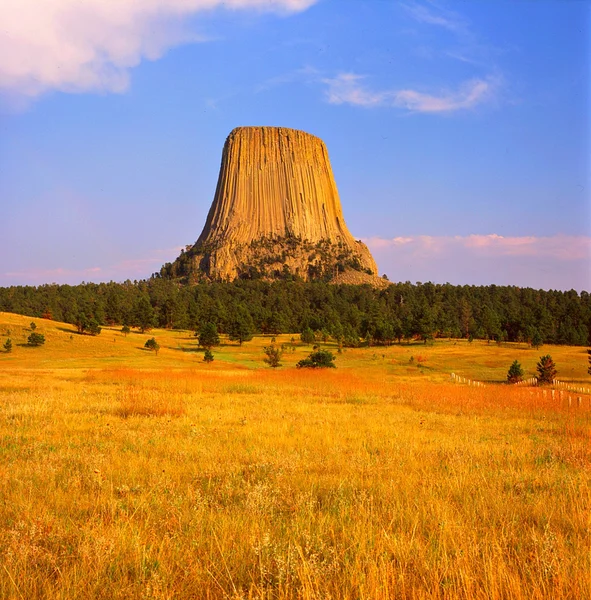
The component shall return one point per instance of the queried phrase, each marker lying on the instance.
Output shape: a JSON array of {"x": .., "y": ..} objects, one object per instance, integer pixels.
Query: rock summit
[{"x": 276, "y": 214}]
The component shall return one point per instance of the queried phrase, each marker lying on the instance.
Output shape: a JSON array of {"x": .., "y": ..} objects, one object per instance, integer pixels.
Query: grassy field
[{"x": 125, "y": 474}]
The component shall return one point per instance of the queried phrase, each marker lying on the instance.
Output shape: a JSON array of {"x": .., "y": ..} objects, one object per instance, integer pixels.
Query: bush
[
  {"x": 152, "y": 344},
  {"x": 8, "y": 345},
  {"x": 36, "y": 339},
  {"x": 546, "y": 370},
  {"x": 320, "y": 359},
  {"x": 274, "y": 355},
  {"x": 515, "y": 373},
  {"x": 33, "y": 326},
  {"x": 125, "y": 330},
  {"x": 208, "y": 356}
]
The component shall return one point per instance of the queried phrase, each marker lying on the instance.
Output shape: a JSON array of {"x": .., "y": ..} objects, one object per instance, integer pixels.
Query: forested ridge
[{"x": 346, "y": 312}]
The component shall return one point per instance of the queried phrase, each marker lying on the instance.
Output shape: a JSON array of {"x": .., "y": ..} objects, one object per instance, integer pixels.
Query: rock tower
[{"x": 276, "y": 214}]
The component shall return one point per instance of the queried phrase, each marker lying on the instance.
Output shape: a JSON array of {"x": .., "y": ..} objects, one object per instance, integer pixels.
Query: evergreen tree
[
  {"x": 546, "y": 370},
  {"x": 33, "y": 326},
  {"x": 125, "y": 330},
  {"x": 36, "y": 339},
  {"x": 241, "y": 326},
  {"x": 515, "y": 374},
  {"x": 152, "y": 344},
  {"x": 274, "y": 355},
  {"x": 307, "y": 336},
  {"x": 8, "y": 345},
  {"x": 144, "y": 315},
  {"x": 208, "y": 356},
  {"x": 536, "y": 339},
  {"x": 208, "y": 336},
  {"x": 93, "y": 327},
  {"x": 589, "y": 357}
]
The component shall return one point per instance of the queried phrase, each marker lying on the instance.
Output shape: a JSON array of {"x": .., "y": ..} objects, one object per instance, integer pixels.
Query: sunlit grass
[{"x": 143, "y": 476}]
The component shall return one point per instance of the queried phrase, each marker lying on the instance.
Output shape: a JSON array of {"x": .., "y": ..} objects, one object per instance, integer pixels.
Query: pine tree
[
  {"x": 36, "y": 339},
  {"x": 241, "y": 327},
  {"x": 208, "y": 356},
  {"x": 307, "y": 336},
  {"x": 515, "y": 374},
  {"x": 274, "y": 355},
  {"x": 152, "y": 344},
  {"x": 8, "y": 345},
  {"x": 589, "y": 357},
  {"x": 208, "y": 336},
  {"x": 546, "y": 370}
]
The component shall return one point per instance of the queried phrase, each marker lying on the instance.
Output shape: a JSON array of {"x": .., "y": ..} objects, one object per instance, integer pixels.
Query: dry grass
[{"x": 146, "y": 478}]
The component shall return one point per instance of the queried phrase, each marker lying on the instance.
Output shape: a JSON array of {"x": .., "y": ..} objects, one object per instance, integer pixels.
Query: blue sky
[{"x": 458, "y": 131}]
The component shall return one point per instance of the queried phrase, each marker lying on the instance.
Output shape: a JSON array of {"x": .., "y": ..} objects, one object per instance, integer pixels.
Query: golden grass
[{"x": 163, "y": 477}]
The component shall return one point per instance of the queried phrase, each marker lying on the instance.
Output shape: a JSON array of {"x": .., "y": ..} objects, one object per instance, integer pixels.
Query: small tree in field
[
  {"x": 536, "y": 339},
  {"x": 125, "y": 330},
  {"x": 320, "y": 359},
  {"x": 307, "y": 336},
  {"x": 274, "y": 355},
  {"x": 546, "y": 370},
  {"x": 152, "y": 344},
  {"x": 36, "y": 339},
  {"x": 8, "y": 345},
  {"x": 33, "y": 326},
  {"x": 589, "y": 357},
  {"x": 93, "y": 327},
  {"x": 208, "y": 336},
  {"x": 515, "y": 374},
  {"x": 208, "y": 356}
]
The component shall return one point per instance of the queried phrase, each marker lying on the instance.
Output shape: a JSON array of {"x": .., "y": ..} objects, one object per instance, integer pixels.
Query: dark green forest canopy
[{"x": 345, "y": 312}]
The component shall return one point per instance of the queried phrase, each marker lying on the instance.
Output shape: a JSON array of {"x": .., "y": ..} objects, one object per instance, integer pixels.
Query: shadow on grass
[{"x": 183, "y": 349}]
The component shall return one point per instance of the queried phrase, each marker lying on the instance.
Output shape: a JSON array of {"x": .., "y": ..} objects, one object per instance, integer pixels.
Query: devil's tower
[{"x": 276, "y": 214}]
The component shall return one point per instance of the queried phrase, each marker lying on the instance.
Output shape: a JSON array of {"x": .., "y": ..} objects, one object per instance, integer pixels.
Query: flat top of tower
[{"x": 269, "y": 130}]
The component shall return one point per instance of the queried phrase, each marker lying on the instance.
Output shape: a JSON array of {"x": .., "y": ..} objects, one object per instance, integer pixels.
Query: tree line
[{"x": 350, "y": 313}]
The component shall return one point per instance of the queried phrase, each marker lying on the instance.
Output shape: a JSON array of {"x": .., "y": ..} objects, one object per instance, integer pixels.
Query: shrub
[
  {"x": 33, "y": 326},
  {"x": 8, "y": 345},
  {"x": 320, "y": 359},
  {"x": 125, "y": 330},
  {"x": 515, "y": 373},
  {"x": 36, "y": 339},
  {"x": 546, "y": 370},
  {"x": 208, "y": 356}
]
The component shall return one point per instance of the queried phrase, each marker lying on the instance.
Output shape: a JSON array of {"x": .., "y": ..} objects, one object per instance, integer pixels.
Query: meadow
[{"x": 126, "y": 474}]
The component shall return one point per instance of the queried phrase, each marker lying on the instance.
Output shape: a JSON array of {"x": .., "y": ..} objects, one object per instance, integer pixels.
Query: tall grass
[{"x": 124, "y": 483}]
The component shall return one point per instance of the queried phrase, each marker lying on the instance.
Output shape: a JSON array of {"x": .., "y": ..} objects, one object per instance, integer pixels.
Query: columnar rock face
[{"x": 276, "y": 213}]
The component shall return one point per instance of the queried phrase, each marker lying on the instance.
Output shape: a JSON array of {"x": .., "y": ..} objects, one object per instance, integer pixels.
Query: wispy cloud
[
  {"x": 74, "y": 46},
  {"x": 349, "y": 88},
  {"x": 436, "y": 15},
  {"x": 548, "y": 262},
  {"x": 563, "y": 247}
]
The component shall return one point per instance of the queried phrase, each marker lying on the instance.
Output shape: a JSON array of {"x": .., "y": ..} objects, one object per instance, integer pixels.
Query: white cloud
[
  {"x": 348, "y": 88},
  {"x": 90, "y": 45}
]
